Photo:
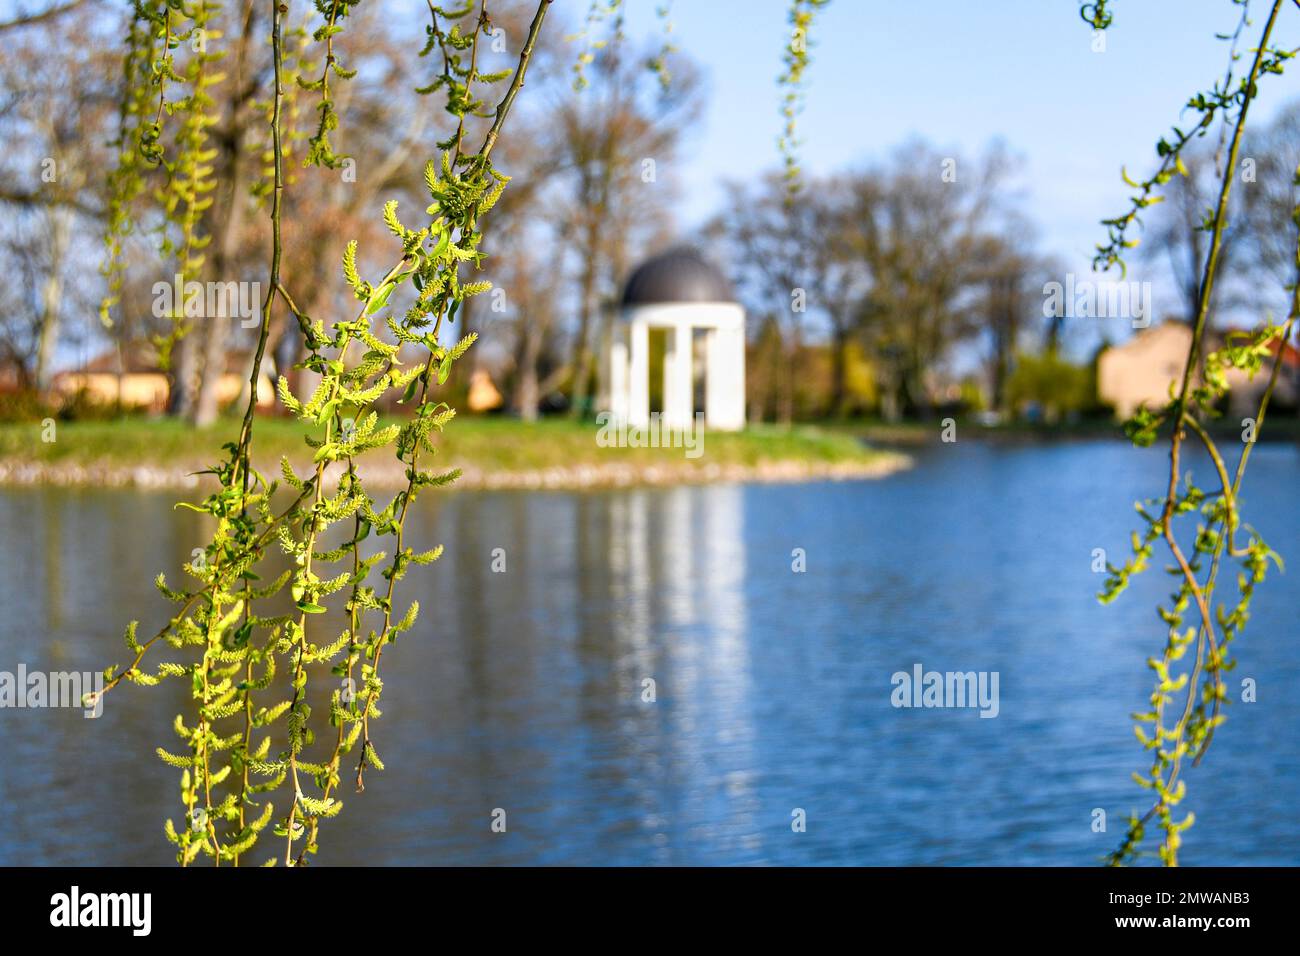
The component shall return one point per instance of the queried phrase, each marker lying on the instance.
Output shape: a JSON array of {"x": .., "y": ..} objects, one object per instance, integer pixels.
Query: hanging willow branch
[
  {"x": 796, "y": 59},
  {"x": 170, "y": 64},
  {"x": 1188, "y": 697},
  {"x": 230, "y": 740}
]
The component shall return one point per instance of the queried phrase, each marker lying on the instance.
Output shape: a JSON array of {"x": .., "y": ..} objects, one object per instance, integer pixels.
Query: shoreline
[{"x": 100, "y": 474}]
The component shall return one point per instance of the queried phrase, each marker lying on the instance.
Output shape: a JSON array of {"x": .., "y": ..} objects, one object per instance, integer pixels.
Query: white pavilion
[{"x": 681, "y": 292}]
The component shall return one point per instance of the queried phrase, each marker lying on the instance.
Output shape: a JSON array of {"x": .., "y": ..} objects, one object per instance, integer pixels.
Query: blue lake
[{"x": 524, "y": 690}]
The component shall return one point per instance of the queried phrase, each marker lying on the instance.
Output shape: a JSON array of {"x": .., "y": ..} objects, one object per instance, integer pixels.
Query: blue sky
[{"x": 958, "y": 73}]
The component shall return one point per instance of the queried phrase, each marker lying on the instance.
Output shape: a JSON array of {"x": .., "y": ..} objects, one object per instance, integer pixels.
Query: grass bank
[
  {"x": 1280, "y": 426},
  {"x": 492, "y": 452}
]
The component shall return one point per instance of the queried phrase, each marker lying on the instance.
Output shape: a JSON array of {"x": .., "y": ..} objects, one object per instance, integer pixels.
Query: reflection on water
[{"x": 648, "y": 681}]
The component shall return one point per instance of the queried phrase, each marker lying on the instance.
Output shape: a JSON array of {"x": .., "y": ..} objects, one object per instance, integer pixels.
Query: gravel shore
[{"x": 380, "y": 475}]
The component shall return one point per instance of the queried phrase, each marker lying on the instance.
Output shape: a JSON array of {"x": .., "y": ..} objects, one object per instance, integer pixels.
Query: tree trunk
[
  {"x": 206, "y": 402},
  {"x": 787, "y": 370},
  {"x": 839, "y": 363},
  {"x": 1001, "y": 372},
  {"x": 218, "y": 333},
  {"x": 184, "y": 370},
  {"x": 889, "y": 410},
  {"x": 527, "y": 391},
  {"x": 52, "y": 297},
  {"x": 776, "y": 359},
  {"x": 581, "y": 364}
]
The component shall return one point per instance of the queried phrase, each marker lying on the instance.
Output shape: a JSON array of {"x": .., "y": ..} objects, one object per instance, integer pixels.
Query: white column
[
  {"x": 616, "y": 397},
  {"x": 725, "y": 379},
  {"x": 679, "y": 398},
  {"x": 638, "y": 385}
]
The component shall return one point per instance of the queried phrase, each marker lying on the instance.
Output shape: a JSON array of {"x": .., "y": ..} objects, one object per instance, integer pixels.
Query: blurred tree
[
  {"x": 1269, "y": 195},
  {"x": 52, "y": 107},
  {"x": 910, "y": 259},
  {"x": 783, "y": 253},
  {"x": 613, "y": 144},
  {"x": 1009, "y": 305},
  {"x": 924, "y": 223},
  {"x": 1052, "y": 385},
  {"x": 1176, "y": 233}
]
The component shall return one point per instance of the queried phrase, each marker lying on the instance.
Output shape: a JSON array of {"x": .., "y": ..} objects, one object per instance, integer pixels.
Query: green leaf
[
  {"x": 380, "y": 298},
  {"x": 327, "y": 411}
]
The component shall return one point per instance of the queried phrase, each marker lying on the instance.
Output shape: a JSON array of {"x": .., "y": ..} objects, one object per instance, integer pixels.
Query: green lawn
[{"x": 489, "y": 444}]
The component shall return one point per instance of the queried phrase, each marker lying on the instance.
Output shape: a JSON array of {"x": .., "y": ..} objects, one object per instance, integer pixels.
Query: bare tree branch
[{"x": 49, "y": 13}]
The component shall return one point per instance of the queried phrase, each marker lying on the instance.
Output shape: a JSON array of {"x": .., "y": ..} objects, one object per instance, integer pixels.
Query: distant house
[
  {"x": 1140, "y": 372},
  {"x": 136, "y": 381}
]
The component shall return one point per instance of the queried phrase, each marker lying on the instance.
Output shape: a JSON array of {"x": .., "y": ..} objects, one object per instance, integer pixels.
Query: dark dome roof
[{"x": 678, "y": 275}]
